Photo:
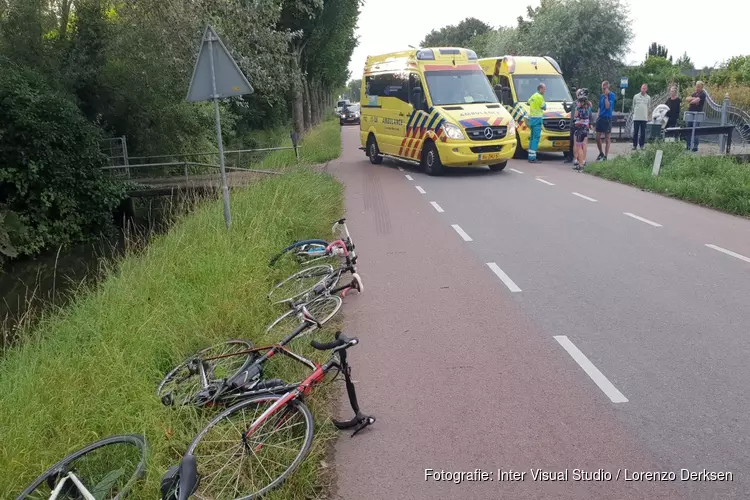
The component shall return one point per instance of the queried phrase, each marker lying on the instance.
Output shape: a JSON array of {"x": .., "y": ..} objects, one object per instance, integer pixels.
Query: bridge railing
[
  {"x": 184, "y": 164},
  {"x": 171, "y": 170}
]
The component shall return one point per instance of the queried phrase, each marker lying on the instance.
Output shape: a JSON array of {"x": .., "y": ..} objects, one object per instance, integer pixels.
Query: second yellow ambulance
[{"x": 514, "y": 80}]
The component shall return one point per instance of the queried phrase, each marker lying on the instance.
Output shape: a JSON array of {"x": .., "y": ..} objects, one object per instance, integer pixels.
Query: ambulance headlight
[
  {"x": 452, "y": 131},
  {"x": 511, "y": 129}
]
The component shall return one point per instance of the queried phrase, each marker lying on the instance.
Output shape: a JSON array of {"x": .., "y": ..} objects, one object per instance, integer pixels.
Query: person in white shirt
[{"x": 641, "y": 108}]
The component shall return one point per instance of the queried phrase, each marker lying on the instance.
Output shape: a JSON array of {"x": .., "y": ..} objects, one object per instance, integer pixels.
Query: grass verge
[
  {"x": 320, "y": 145},
  {"x": 91, "y": 369},
  {"x": 714, "y": 181}
]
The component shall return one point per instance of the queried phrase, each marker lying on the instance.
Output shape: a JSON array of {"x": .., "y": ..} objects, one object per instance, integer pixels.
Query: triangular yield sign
[{"x": 229, "y": 79}]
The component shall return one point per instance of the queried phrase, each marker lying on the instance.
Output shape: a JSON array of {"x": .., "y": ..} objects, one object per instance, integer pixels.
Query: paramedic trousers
[{"x": 535, "y": 124}]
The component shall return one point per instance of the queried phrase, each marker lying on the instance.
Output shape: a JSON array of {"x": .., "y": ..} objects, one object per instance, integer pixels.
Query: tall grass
[
  {"x": 718, "y": 182},
  {"x": 319, "y": 146},
  {"x": 91, "y": 369}
]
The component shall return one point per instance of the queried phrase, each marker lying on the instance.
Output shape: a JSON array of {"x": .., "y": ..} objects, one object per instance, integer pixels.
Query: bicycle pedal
[{"x": 367, "y": 421}]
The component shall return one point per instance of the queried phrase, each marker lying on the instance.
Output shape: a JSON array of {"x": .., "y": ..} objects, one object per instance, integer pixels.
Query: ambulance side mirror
[{"x": 503, "y": 93}]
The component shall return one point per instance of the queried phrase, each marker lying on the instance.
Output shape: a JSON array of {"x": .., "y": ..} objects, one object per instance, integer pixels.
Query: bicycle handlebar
[{"x": 341, "y": 340}]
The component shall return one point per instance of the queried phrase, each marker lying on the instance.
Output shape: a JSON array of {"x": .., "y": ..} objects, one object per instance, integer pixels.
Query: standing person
[
  {"x": 604, "y": 122},
  {"x": 581, "y": 125},
  {"x": 696, "y": 103},
  {"x": 674, "y": 102},
  {"x": 536, "y": 118},
  {"x": 641, "y": 107}
]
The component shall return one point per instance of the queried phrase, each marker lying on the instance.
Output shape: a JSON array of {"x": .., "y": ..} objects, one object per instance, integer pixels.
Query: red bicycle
[{"x": 254, "y": 446}]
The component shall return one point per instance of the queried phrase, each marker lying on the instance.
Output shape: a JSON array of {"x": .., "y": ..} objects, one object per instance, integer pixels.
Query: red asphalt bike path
[{"x": 457, "y": 376}]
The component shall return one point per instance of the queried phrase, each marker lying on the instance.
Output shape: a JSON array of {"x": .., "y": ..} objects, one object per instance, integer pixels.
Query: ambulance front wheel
[
  {"x": 497, "y": 167},
  {"x": 520, "y": 152},
  {"x": 373, "y": 152},
  {"x": 431, "y": 160}
]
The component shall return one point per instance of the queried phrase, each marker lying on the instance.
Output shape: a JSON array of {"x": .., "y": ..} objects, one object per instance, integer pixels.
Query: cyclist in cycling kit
[{"x": 582, "y": 124}]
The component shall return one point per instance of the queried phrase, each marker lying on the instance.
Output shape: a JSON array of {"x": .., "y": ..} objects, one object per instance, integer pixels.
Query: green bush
[
  {"x": 715, "y": 181},
  {"x": 50, "y": 159}
]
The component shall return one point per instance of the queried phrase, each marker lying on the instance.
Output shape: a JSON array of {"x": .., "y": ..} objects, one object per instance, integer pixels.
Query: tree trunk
[
  {"x": 315, "y": 102},
  {"x": 308, "y": 119},
  {"x": 296, "y": 93},
  {"x": 64, "y": 19}
]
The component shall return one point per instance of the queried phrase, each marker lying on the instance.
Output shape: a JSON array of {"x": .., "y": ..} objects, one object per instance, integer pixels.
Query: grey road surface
[{"x": 538, "y": 318}]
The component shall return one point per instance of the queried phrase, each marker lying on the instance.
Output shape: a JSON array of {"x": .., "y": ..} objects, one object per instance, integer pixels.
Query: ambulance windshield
[
  {"x": 526, "y": 85},
  {"x": 459, "y": 87}
]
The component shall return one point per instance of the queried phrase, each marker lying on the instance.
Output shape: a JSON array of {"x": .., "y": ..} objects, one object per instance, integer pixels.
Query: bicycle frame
[
  {"x": 77, "y": 482},
  {"x": 186, "y": 473},
  {"x": 232, "y": 388}
]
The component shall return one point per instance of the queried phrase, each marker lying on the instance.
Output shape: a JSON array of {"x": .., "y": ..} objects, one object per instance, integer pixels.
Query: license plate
[
  {"x": 560, "y": 144},
  {"x": 489, "y": 156}
]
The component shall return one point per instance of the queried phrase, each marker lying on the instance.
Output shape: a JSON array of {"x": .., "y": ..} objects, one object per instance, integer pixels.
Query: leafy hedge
[{"x": 52, "y": 190}]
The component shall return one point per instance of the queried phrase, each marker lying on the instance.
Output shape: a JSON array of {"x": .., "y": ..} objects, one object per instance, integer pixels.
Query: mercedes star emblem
[
  {"x": 488, "y": 133},
  {"x": 563, "y": 124}
]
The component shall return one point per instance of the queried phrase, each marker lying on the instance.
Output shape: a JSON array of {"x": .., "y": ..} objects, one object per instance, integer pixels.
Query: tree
[
  {"x": 656, "y": 50},
  {"x": 354, "y": 88},
  {"x": 500, "y": 42},
  {"x": 685, "y": 63},
  {"x": 51, "y": 183},
  {"x": 582, "y": 35},
  {"x": 456, "y": 35},
  {"x": 122, "y": 68}
]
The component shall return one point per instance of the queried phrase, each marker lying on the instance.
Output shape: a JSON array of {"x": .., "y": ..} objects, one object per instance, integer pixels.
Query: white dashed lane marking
[
  {"x": 546, "y": 182},
  {"x": 437, "y": 207},
  {"x": 728, "y": 252},
  {"x": 592, "y": 371},
  {"x": 650, "y": 222},
  {"x": 419, "y": 188},
  {"x": 503, "y": 277},
  {"x": 461, "y": 232},
  {"x": 584, "y": 197},
  {"x": 514, "y": 170},
  {"x": 409, "y": 177}
]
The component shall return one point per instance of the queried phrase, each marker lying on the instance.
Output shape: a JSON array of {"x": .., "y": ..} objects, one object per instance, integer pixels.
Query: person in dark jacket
[{"x": 674, "y": 102}]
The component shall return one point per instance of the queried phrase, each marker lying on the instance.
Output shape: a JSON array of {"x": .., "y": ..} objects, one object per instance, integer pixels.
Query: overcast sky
[{"x": 390, "y": 25}]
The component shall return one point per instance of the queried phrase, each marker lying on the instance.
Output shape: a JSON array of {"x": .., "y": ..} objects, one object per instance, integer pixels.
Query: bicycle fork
[{"x": 359, "y": 421}]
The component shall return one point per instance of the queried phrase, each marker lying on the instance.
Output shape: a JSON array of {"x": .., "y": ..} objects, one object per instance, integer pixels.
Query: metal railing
[
  {"x": 715, "y": 115},
  {"x": 182, "y": 164}
]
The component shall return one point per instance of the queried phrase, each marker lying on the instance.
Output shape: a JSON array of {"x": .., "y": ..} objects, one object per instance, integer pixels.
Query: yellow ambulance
[
  {"x": 433, "y": 107},
  {"x": 514, "y": 80}
]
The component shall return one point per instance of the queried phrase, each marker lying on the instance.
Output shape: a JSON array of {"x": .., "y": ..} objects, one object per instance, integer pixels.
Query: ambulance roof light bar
[{"x": 554, "y": 64}]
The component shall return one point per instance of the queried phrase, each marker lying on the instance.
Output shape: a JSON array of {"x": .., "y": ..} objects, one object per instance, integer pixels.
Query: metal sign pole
[{"x": 224, "y": 187}]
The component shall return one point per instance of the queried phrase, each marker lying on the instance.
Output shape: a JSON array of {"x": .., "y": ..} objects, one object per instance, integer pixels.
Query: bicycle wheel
[
  {"x": 301, "y": 283},
  {"x": 296, "y": 247},
  {"x": 233, "y": 464},
  {"x": 322, "y": 308},
  {"x": 184, "y": 383},
  {"x": 107, "y": 469}
]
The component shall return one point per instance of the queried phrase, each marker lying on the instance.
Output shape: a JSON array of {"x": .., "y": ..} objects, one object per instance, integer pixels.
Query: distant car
[
  {"x": 341, "y": 105},
  {"x": 350, "y": 114}
]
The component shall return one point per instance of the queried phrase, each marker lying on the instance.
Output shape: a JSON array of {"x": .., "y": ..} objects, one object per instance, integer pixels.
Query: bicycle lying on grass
[
  {"x": 316, "y": 280},
  {"x": 306, "y": 251},
  {"x": 229, "y": 371},
  {"x": 107, "y": 469},
  {"x": 265, "y": 438}
]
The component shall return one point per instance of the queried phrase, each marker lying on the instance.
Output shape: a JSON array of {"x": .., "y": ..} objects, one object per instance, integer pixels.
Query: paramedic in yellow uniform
[{"x": 536, "y": 115}]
